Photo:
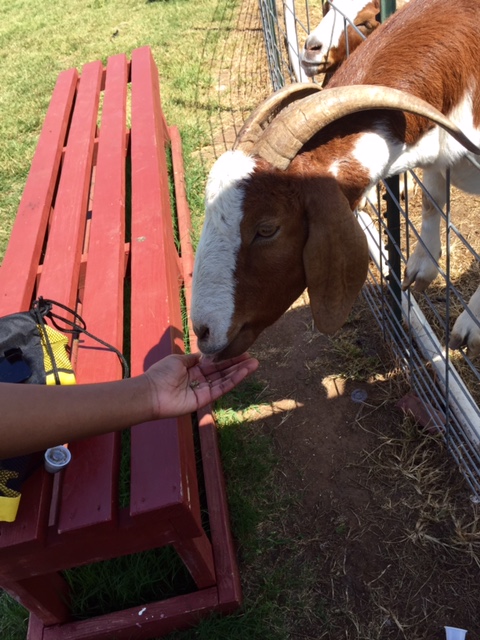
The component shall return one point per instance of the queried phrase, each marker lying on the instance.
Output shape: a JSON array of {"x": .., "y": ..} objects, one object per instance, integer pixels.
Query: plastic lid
[{"x": 57, "y": 458}]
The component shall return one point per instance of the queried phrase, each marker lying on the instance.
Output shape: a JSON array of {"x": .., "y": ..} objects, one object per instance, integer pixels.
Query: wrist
[{"x": 147, "y": 396}]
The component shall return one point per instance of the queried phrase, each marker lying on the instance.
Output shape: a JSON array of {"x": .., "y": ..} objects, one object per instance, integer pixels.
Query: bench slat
[
  {"x": 22, "y": 256},
  {"x": 156, "y": 327},
  {"x": 85, "y": 504},
  {"x": 184, "y": 224},
  {"x": 163, "y": 459},
  {"x": 61, "y": 267},
  {"x": 26, "y": 242}
]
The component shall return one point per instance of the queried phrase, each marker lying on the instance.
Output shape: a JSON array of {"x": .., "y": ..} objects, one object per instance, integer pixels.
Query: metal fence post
[
  {"x": 387, "y": 7},
  {"x": 269, "y": 16},
  {"x": 392, "y": 200}
]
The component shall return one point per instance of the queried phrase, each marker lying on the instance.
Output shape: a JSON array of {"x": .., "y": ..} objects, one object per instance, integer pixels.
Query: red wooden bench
[{"x": 81, "y": 233}]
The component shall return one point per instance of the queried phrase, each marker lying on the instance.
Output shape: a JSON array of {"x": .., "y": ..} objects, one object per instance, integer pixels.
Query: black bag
[{"x": 33, "y": 352}]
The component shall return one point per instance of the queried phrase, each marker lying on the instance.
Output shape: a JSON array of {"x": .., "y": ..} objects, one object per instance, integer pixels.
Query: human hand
[{"x": 181, "y": 384}]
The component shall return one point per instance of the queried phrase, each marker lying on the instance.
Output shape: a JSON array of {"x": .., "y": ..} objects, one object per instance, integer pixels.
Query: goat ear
[{"x": 335, "y": 256}]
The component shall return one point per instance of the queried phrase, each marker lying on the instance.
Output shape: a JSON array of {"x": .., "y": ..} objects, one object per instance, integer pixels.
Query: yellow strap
[
  {"x": 11, "y": 499},
  {"x": 9, "y": 508},
  {"x": 58, "y": 343}
]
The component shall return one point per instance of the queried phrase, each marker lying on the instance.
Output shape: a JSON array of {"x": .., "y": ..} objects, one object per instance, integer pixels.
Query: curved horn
[
  {"x": 291, "y": 129},
  {"x": 256, "y": 123}
]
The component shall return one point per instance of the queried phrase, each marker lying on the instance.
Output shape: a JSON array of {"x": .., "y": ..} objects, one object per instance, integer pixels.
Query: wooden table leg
[{"x": 47, "y": 597}]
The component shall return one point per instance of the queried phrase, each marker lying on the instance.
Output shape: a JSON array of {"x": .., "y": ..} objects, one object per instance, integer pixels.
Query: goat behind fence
[{"x": 447, "y": 384}]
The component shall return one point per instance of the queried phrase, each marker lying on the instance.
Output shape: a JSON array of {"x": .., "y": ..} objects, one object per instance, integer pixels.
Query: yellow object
[
  {"x": 11, "y": 499},
  {"x": 58, "y": 343}
]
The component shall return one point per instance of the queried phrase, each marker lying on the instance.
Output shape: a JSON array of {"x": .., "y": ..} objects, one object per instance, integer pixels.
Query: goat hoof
[{"x": 470, "y": 340}]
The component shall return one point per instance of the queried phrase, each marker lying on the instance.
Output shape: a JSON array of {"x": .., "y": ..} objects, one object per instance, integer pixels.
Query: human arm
[{"x": 35, "y": 417}]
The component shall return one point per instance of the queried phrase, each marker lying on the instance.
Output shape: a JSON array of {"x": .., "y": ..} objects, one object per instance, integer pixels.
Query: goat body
[{"x": 271, "y": 232}]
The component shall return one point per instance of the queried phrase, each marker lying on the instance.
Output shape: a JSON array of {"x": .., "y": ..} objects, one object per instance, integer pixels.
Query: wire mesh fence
[{"x": 445, "y": 384}]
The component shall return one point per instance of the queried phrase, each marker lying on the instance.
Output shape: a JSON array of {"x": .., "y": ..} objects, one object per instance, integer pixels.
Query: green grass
[{"x": 37, "y": 41}]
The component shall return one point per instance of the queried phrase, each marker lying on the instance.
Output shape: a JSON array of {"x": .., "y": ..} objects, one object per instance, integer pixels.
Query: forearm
[{"x": 35, "y": 417}]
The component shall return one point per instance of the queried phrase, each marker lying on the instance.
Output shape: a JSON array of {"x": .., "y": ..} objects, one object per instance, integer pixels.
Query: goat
[
  {"x": 334, "y": 38},
  {"x": 339, "y": 33},
  {"x": 345, "y": 25},
  {"x": 279, "y": 206}
]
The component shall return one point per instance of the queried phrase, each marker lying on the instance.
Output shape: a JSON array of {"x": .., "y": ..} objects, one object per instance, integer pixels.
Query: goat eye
[{"x": 267, "y": 230}]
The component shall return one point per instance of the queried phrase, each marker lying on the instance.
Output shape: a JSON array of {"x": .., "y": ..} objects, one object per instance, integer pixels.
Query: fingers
[
  {"x": 212, "y": 374},
  {"x": 217, "y": 383},
  {"x": 207, "y": 366},
  {"x": 190, "y": 359},
  {"x": 225, "y": 384}
]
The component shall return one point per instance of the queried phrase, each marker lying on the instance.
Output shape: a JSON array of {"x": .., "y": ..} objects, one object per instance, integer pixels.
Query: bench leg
[
  {"x": 197, "y": 556},
  {"x": 47, "y": 597},
  {"x": 35, "y": 628}
]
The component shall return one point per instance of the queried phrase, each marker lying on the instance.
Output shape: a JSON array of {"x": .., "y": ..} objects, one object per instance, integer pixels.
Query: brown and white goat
[
  {"x": 279, "y": 207},
  {"x": 344, "y": 26}
]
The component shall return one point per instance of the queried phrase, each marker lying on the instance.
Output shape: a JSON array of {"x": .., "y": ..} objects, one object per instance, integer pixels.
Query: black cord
[{"x": 43, "y": 307}]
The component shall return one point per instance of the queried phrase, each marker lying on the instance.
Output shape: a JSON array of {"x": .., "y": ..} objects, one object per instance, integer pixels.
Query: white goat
[
  {"x": 334, "y": 38},
  {"x": 279, "y": 206},
  {"x": 344, "y": 26}
]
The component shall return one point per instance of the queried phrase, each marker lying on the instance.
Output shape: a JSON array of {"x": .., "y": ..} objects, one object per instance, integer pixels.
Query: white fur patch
[
  {"x": 383, "y": 156},
  {"x": 373, "y": 151},
  {"x": 213, "y": 278},
  {"x": 331, "y": 28}
]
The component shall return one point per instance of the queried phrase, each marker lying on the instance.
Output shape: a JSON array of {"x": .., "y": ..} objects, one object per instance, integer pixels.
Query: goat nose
[
  {"x": 201, "y": 331},
  {"x": 312, "y": 44}
]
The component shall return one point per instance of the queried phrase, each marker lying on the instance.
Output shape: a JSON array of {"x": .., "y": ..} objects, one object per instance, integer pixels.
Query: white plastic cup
[
  {"x": 57, "y": 458},
  {"x": 453, "y": 633}
]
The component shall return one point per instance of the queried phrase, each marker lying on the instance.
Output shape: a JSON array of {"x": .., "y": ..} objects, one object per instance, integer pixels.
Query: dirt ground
[{"x": 387, "y": 521}]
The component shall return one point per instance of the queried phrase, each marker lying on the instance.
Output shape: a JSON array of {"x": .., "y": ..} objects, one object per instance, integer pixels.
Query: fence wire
[{"x": 445, "y": 384}]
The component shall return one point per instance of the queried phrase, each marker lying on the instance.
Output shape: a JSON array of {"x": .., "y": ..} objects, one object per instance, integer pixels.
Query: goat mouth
[
  {"x": 314, "y": 68},
  {"x": 239, "y": 344}
]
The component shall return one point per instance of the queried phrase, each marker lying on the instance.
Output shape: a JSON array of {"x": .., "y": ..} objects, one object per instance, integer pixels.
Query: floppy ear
[{"x": 335, "y": 256}]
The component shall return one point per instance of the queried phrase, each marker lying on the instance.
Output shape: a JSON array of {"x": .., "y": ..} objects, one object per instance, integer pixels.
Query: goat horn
[
  {"x": 293, "y": 128},
  {"x": 255, "y": 125}
]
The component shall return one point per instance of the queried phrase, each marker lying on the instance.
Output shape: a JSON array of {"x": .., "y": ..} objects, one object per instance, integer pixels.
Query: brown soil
[
  {"x": 388, "y": 522},
  {"x": 384, "y": 519}
]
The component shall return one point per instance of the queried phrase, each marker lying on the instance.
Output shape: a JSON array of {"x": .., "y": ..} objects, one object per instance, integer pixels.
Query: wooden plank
[
  {"x": 29, "y": 529},
  {"x": 102, "y": 305},
  {"x": 26, "y": 241},
  {"x": 35, "y": 628},
  {"x": 61, "y": 267},
  {"x": 150, "y": 621},
  {"x": 163, "y": 468},
  {"x": 155, "y": 308},
  {"x": 184, "y": 224},
  {"x": 47, "y": 597},
  {"x": 85, "y": 504},
  {"x": 84, "y": 547},
  {"x": 226, "y": 566}
]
